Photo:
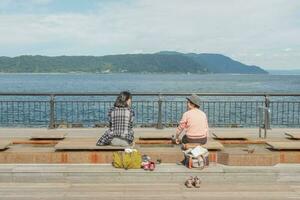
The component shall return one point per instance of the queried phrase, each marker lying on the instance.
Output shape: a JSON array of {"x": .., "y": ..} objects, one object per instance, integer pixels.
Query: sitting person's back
[
  {"x": 121, "y": 123},
  {"x": 193, "y": 123},
  {"x": 120, "y": 119}
]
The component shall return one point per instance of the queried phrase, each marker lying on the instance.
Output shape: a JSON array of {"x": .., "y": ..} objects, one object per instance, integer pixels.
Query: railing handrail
[{"x": 147, "y": 94}]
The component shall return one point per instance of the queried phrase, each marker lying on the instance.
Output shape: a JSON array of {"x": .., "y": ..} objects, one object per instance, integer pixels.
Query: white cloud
[
  {"x": 23, "y": 2},
  {"x": 287, "y": 49},
  {"x": 232, "y": 27},
  {"x": 22, "y": 5}
]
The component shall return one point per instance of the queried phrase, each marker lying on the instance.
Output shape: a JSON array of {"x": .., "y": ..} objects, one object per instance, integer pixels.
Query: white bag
[
  {"x": 198, "y": 151},
  {"x": 196, "y": 158}
]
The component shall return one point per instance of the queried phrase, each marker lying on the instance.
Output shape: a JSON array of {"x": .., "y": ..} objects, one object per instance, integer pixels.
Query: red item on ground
[
  {"x": 152, "y": 166},
  {"x": 146, "y": 166}
]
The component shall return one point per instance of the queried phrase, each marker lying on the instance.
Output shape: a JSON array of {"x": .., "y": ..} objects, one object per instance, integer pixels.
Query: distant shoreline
[
  {"x": 161, "y": 62},
  {"x": 137, "y": 73}
]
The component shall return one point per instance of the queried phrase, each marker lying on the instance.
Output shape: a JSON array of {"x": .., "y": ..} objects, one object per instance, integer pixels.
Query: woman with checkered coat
[{"x": 120, "y": 132}]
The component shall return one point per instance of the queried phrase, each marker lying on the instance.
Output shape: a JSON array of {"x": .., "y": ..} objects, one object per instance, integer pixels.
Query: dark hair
[
  {"x": 121, "y": 101},
  {"x": 196, "y": 106}
]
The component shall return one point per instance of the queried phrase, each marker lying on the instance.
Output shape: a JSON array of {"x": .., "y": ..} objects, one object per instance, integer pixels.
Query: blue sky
[{"x": 258, "y": 32}]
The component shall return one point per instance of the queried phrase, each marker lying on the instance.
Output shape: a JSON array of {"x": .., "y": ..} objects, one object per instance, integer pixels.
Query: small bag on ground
[
  {"x": 196, "y": 158},
  {"x": 127, "y": 160}
]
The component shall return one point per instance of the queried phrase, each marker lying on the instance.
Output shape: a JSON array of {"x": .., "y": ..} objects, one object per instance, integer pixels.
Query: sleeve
[
  {"x": 132, "y": 115},
  {"x": 182, "y": 124},
  {"x": 206, "y": 125},
  {"x": 109, "y": 117}
]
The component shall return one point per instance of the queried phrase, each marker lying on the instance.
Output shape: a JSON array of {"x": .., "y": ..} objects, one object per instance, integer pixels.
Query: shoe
[
  {"x": 197, "y": 182},
  {"x": 99, "y": 144},
  {"x": 158, "y": 161},
  {"x": 146, "y": 165},
  {"x": 181, "y": 162},
  {"x": 151, "y": 166},
  {"x": 251, "y": 150},
  {"x": 189, "y": 182}
]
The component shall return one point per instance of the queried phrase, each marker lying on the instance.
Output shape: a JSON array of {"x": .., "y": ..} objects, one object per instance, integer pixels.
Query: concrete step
[
  {"x": 146, "y": 191},
  {"x": 164, "y": 173}
]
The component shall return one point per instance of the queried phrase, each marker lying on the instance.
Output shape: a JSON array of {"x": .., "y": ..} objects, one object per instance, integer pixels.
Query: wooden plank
[
  {"x": 34, "y": 142},
  {"x": 284, "y": 145},
  {"x": 154, "y": 142},
  {"x": 242, "y": 141},
  {"x": 294, "y": 136},
  {"x": 85, "y": 145},
  {"x": 47, "y": 136},
  {"x": 229, "y": 136},
  {"x": 155, "y": 137},
  {"x": 4, "y": 144},
  {"x": 210, "y": 145}
]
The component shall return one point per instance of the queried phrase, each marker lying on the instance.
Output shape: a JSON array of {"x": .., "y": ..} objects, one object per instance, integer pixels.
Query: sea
[{"x": 72, "y": 82}]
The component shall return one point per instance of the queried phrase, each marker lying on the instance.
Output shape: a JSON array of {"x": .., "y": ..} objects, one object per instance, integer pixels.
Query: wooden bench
[
  {"x": 284, "y": 145},
  {"x": 210, "y": 145},
  {"x": 4, "y": 144},
  {"x": 85, "y": 145},
  {"x": 229, "y": 136},
  {"x": 155, "y": 137},
  {"x": 47, "y": 136},
  {"x": 294, "y": 136},
  {"x": 154, "y": 141}
]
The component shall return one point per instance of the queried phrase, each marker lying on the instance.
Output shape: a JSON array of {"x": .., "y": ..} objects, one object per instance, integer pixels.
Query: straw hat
[{"x": 194, "y": 99}]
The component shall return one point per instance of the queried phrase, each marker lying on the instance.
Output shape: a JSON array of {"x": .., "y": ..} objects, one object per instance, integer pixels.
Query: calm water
[
  {"x": 221, "y": 111},
  {"x": 148, "y": 82}
]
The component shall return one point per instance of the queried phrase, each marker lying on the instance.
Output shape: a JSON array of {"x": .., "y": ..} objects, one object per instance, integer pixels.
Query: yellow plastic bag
[
  {"x": 127, "y": 160},
  {"x": 117, "y": 160}
]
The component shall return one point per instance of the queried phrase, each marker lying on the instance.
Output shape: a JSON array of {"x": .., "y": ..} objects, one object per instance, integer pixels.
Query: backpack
[
  {"x": 196, "y": 158},
  {"x": 127, "y": 160}
]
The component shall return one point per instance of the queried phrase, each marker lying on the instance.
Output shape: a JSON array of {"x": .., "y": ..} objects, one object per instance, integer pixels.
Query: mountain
[
  {"x": 162, "y": 62},
  {"x": 143, "y": 63},
  {"x": 217, "y": 63}
]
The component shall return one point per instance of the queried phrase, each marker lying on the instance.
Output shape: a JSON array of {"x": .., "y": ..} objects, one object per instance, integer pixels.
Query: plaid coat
[{"x": 120, "y": 125}]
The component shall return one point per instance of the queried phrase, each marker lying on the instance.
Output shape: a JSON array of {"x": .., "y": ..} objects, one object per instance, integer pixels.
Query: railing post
[
  {"x": 266, "y": 115},
  {"x": 267, "y": 101},
  {"x": 52, "y": 110},
  {"x": 260, "y": 115},
  {"x": 159, "y": 117}
]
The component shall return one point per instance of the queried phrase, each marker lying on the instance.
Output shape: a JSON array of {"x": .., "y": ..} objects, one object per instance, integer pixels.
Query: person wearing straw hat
[{"x": 193, "y": 126}]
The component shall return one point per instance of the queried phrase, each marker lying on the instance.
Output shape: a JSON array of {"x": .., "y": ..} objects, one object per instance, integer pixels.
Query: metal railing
[{"x": 151, "y": 109}]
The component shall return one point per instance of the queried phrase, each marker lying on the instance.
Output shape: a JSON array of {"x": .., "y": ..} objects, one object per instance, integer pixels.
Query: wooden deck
[
  {"x": 78, "y": 146},
  {"x": 284, "y": 145},
  {"x": 87, "y": 144},
  {"x": 4, "y": 144},
  {"x": 294, "y": 136},
  {"x": 46, "y": 136}
]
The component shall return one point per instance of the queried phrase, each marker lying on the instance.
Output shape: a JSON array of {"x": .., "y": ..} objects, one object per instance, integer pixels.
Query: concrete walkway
[{"x": 82, "y": 181}]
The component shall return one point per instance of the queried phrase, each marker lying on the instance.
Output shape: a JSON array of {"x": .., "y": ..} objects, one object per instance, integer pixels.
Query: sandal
[
  {"x": 151, "y": 166},
  {"x": 158, "y": 161},
  {"x": 146, "y": 165},
  {"x": 189, "y": 182},
  {"x": 197, "y": 182}
]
